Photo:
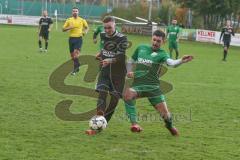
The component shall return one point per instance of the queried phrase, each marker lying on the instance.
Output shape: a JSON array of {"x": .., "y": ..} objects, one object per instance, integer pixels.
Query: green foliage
[{"x": 213, "y": 11}]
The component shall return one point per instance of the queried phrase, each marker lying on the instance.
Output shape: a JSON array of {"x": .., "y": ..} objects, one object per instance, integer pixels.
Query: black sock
[
  {"x": 224, "y": 54},
  {"x": 101, "y": 102},
  {"x": 40, "y": 44},
  {"x": 76, "y": 63},
  {"x": 177, "y": 53},
  {"x": 46, "y": 45},
  {"x": 111, "y": 107}
]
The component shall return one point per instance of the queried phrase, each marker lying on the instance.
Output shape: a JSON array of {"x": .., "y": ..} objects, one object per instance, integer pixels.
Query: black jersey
[
  {"x": 45, "y": 22},
  {"x": 226, "y": 33},
  {"x": 114, "y": 47}
]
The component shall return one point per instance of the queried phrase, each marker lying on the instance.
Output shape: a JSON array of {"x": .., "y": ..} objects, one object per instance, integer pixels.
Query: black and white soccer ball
[{"x": 98, "y": 122}]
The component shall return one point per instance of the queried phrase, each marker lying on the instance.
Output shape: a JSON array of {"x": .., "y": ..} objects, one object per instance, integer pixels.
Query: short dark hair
[
  {"x": 75, "y": 8},
  {"x": 108, "y": 19},
  {"x": 159, "y": 33}
]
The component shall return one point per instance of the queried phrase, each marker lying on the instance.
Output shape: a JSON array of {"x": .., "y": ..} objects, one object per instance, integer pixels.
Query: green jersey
[
  {"x": 148, "y": 65},
  {"x": 98, "y": 30},
  {"x": 173, "y": 32}
]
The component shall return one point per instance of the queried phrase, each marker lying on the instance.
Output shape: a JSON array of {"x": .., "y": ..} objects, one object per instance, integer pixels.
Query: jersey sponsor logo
[
  {"x": 44, "y": 23},
  {"x": 173, "y": 33},
  {"x": 108, "y": 53},
  {"x": 146, "y": 62}
]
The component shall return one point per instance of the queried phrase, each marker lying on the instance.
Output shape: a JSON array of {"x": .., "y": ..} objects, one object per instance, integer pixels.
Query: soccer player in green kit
[
  {"x": 97, "y": 31},
  {"x": 148, "y": 61},
  {"x": 173, "y": 37}
]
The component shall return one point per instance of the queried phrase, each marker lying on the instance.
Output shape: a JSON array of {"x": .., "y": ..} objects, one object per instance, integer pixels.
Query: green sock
[{"x": 131, "y": 110}]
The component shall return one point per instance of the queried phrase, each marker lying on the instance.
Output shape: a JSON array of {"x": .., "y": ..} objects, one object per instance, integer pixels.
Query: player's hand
[
  {"x": 130, "y": 74},
  {"x": 49, "y": 30},
  {"x": 105, "y": 62},
  {"x": 95, "y": 41},
  {"x": 98, "y": 56},
  {"x": 186, "y": 58}
]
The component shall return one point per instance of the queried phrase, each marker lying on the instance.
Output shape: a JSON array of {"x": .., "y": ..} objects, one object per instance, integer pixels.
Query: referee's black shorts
[{"x": 75, "y": 43}]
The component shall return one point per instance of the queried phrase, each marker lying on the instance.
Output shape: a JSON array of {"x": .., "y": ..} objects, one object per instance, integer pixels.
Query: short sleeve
[
  {"x": 40, "y": 21},
  {"x": 164, "y": 57},
  {"x": 66, "y": 24},
  {"x": 85, "y": 23},
  {"x": 50, "y": 21},
  {"x": 135, "y": 54}
]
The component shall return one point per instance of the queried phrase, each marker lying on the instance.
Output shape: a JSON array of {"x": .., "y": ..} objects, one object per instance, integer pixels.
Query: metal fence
[{"x": 35, "y": 7}]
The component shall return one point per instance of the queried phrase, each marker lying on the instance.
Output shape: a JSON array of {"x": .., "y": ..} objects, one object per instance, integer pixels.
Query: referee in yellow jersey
[{"x": 77, "y": 27}]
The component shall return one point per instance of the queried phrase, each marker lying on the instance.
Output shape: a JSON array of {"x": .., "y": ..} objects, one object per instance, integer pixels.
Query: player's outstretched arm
[{"x": 177, "y": 62}]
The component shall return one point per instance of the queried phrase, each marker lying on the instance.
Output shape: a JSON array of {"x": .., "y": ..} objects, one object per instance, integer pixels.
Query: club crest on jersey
[{"x": 154, "y": 54}]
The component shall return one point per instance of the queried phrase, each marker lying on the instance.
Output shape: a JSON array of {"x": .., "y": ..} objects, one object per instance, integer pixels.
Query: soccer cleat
[
  {"x": 74, "y": 72},
  {"x": 91, "y": 132},
  {"x": 45, "y": 50},
  {"x": 136, "y": 128},
  {"x": 40, "y": 49},
  {"x": 173, "y": 131}
]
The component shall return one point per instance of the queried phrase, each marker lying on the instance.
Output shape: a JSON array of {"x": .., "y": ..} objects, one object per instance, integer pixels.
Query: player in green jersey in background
[
  {"x": 173, "y": 37},
  {"x": 148, "y": 61},
  {"x": 97, "y": 31}
]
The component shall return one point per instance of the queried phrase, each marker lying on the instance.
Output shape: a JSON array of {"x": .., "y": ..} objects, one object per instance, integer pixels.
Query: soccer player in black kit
[
  {"x": 112, "y": 74},
  {"x": 226, "y": 33},
  {"x": 45, "y": 25}
]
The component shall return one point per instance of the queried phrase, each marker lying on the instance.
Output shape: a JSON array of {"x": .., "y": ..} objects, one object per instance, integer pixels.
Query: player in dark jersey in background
[
  {"x": 226, "y": 33},
  {"x": 113, "y": 69},
  {"x": 45, "y": 26}
]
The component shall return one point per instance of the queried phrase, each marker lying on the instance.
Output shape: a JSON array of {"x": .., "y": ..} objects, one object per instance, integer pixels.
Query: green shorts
[
  {"x": 173, "y": 45},
  {"x": 152, "y": 92}
]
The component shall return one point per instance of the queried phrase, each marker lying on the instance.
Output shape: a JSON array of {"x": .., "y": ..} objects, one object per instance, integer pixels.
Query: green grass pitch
[{"x": 204, "y": 102}]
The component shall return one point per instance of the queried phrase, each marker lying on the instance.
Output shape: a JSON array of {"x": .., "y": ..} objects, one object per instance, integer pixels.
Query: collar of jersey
[{"x": 114, "y": 34}]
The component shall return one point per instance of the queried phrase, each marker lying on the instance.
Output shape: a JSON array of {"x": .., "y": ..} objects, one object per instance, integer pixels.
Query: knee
[{"x": 128, "y": 96}]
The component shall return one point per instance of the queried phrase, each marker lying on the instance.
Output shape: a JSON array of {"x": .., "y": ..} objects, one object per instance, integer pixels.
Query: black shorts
[
  {"x": 226, "y": 44},
  {"x": 113, "y": 84},
  {"x": 75, "y": 43},
  {"x": 44, "y": 34}
]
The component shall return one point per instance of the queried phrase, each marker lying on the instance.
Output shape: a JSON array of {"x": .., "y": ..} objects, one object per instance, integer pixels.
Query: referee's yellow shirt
[{"x": 78, "y": 23}]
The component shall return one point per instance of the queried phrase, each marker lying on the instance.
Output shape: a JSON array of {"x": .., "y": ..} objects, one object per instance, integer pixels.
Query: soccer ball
[{"x": 97, "y": 123}]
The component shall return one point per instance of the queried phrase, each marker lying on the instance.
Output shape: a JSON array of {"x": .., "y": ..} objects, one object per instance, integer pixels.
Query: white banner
[
  {"x": 205, "y": 36},
  {"x": 213, "y": 37},
  {"x": 18, "y": 19},
  {"x": 235, "y": 40}
]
